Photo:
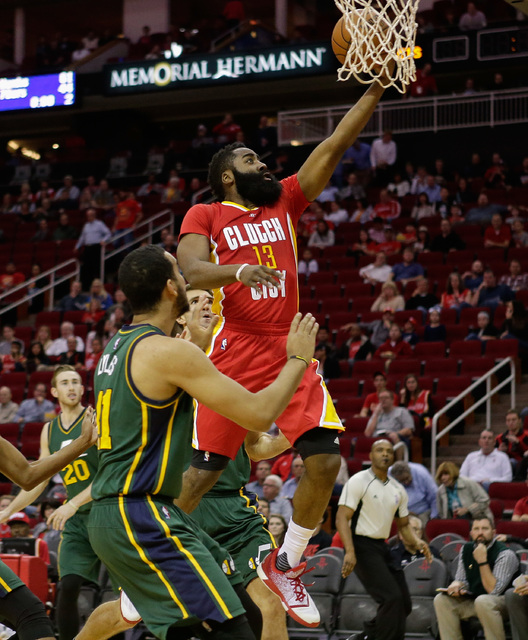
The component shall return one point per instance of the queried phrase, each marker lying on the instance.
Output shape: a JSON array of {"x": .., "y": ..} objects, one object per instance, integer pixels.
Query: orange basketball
[{"x": 342, "y": 39}]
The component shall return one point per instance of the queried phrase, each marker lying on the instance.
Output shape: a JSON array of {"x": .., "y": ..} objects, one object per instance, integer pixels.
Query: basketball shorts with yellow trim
[
  {"x": 152, "y": 550},
  {"x": 76, "y": 556},
  {"x": 255, "y": 361},
  {"x": 233, "y": 521},
  {"x": 8, "y": 580}
]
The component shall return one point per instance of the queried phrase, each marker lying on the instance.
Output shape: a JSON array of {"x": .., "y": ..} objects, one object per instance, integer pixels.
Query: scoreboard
[{"x": 37, "y": 92}]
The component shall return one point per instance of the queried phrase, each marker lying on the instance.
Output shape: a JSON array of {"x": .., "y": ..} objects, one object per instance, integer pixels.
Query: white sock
[{"x": 295, "y": 542}]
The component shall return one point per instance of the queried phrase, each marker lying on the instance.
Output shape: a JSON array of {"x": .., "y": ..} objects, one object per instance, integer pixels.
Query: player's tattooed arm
[{"x": 262, "y": 446}]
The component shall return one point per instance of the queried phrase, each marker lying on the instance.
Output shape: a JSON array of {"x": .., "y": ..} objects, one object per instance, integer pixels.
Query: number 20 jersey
[
  {"x": 265, "y": 235},
  {"x": 79, "y": 474}
]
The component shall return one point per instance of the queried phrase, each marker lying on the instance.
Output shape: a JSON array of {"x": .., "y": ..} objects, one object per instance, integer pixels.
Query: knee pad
[{"x": 27, "y": 615}]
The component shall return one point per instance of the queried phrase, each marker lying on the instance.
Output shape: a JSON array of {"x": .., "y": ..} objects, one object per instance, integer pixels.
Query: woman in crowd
[
  {"x": 277, "y": 527},
  {"x": 37, "y": 360},
  {"x": 516, "y": 323},
  {"x": 98, "y": 292},
  {"x": 416, "y": 400},
  {"x": 459, "y": 497},
  {"x": 322, "y": 237},
  {"x": 455, "y": 296},
  {"x": 364, "y": 246},
  {"x": 423, "y": 208},
  {"x": 389, "y": 298},
  {"x": 423, "y": 242},
  {"x": 43, "y": 336}
]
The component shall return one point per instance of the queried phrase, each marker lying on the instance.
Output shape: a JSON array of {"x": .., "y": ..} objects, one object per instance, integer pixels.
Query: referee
[{"x": 368, "y": 504}]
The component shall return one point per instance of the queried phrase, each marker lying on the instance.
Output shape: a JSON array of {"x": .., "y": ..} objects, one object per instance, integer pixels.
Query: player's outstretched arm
[
  {"x": 29, "y": 474},
  {"x": 25, "y": 498},
  {"x": 198, "y": 376},
  {"x": 193, "y": 258},
  {"x": 60, "y": 516},
  {"x": 262, "y": 446},
  {"x": 321, "y": 163}
]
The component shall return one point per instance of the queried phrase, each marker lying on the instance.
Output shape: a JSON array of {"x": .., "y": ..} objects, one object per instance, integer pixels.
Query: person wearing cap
[
  {"x": 394, "y": 347},
  {"x": 20, "y": 527},
  {"x": 407, "y": 270},
  {"x": 409, "y": 331},
  {"x": 390, "y": 245}
]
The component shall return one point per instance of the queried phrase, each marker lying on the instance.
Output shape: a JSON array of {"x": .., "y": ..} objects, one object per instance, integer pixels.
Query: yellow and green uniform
[
  {"x": 150, "y": 547},
  {"x": 228, "y": 513},
  {"x": 76, "y": 556}
]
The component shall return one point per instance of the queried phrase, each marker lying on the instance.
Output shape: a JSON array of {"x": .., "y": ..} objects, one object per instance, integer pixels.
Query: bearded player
[
  {"x": 244, "y": 247},
  {"x": 77, "y": 560}
]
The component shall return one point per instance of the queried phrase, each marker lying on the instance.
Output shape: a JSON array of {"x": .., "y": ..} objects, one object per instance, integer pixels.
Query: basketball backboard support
[{"x": 522, "y": 5}]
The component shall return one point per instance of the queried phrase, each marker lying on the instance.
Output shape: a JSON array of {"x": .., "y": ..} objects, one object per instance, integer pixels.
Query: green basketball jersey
[
  {"x": 143, "y": 443},
  {"x": 79, "y": 474},
  {"x": 234, "y": 476}
]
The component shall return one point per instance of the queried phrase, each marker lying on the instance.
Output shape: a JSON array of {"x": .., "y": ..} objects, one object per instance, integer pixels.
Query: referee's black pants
[{"x": 386, "y": 585}]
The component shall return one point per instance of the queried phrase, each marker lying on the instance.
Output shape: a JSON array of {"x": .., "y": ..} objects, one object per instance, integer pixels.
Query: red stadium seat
[
  {"x": 499, "y": 349},
  {"x": 517, "y": 529},
  {"x": 73, "y": 316},
  {"x": 448, "y": 316},
  {"x": 455, "y": 332},
  {"x": 464, "y": 348},
  {"x": 497, "y": 509},
  {"x": 438, "y": 526},
  {"x": 367, "y": 368},
  {"x": 354, "y": 466},
  {"x": 10, "y": 431},
  {"x": 47, "y": 317},
  {"x": 403, "y": 366},
  {"x": 401, "y": 317},
  {"x": 476, "y": 366},
  {"x": 321, "y": 277},
  {"x": 430, "y": 350},
  {"x": 25, "y": 334},
  {"x": 16, "y": 378},
  {"x": 508, "y": 493},
  {"x": 348, "y": 404},
  {"x": 469, "y": 315},
  {"x": 363, "y": 447},
  {"x": 325, "y": 291},
  {"x": 332, "y": 305},
  {"x": 356, "y": 426},
  {"x": 337, "y": 319},
  {"x": 431, "y": 258},
  {"x": 439, "y": 367},
  {"x": 356, "y": 289},
  {"x": 30, "y": 439}
]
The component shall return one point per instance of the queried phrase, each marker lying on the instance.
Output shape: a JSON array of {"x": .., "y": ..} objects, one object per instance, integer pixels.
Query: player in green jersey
[
  {"x": 78, "y": 562},
  {"x": 18, "y": 606},
  {"x": 145, "y": 420},
  {"x": 229, "y": 514}
]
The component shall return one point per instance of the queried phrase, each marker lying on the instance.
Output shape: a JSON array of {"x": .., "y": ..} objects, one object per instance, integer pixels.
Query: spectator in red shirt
[
  {"x": 282, "y": 465},
  {"x": 372, "y": 399},
  {"x": 514, "y": 441},
  {"x": 128, "y": 215},
  {"x": 226, "y": 131},
  {"x": 394, "y": 347},
  {"x": 387, "y": 208},
  {"x": 497, "y": 234},
  {"x": 425, "y": 83},
  {"x": 11, "y": 277},
  {"x": 92, "y": 359},
  {"x": 390, "y": 245},
  {"x": 520, "y": 511}
]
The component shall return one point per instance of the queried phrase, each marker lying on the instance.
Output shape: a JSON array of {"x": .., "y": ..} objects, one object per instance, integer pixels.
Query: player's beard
[
  {"x": 255, "y": 188},
  {"x": 181, "y": 304}
]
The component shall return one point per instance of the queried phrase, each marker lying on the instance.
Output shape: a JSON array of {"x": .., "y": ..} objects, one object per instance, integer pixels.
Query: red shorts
[{"x": 254, "y": 361}]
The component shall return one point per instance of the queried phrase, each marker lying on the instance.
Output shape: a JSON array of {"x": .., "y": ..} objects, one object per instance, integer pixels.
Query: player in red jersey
[{"x": 244, "y": 247}]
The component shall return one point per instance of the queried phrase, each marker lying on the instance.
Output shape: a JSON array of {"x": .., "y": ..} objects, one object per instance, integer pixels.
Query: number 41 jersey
[
  {"x": 79, "y": 474},
  {"x": 265, "y": 235}
]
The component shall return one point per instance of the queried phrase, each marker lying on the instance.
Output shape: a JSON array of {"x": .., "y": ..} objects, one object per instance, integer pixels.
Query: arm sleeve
[
  {"x": 403, "y": 508},
  {"x": 503, "y": 570}
]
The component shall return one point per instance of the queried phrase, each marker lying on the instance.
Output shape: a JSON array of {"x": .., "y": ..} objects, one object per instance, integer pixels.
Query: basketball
[{"x": 342, "y": 40}]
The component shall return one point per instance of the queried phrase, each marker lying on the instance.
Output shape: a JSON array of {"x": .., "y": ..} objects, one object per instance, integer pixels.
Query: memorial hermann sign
[{"x": 210, "y": 69}]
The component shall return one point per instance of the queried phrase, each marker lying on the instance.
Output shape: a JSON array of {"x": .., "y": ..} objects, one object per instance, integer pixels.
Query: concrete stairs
[{"x": 461, "y": 444}]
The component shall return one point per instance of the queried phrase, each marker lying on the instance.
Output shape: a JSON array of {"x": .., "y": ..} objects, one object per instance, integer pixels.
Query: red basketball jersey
[{"x": 265, "y": 235}]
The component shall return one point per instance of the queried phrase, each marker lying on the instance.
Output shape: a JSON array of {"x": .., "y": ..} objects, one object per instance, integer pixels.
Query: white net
[{"x": 381, "y": 31}]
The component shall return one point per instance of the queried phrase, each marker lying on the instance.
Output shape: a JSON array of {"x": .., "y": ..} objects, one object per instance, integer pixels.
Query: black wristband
[
  {"x": 300, "y": 358},
  {"x": 481, "y": 564}
]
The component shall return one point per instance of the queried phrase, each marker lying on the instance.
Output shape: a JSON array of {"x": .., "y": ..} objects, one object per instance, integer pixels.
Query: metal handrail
[
  {"x": 486, "y": 398},
  {"x": 152, "y": 229},
  {"x": 54, "y": 281}
]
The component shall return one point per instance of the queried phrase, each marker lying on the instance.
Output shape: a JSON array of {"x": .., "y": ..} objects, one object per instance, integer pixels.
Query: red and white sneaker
[{"x": 290, "y": 589}]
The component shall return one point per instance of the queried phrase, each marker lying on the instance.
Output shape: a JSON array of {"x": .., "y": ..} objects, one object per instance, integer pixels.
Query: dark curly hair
[{"x": 220, "y": 162}]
